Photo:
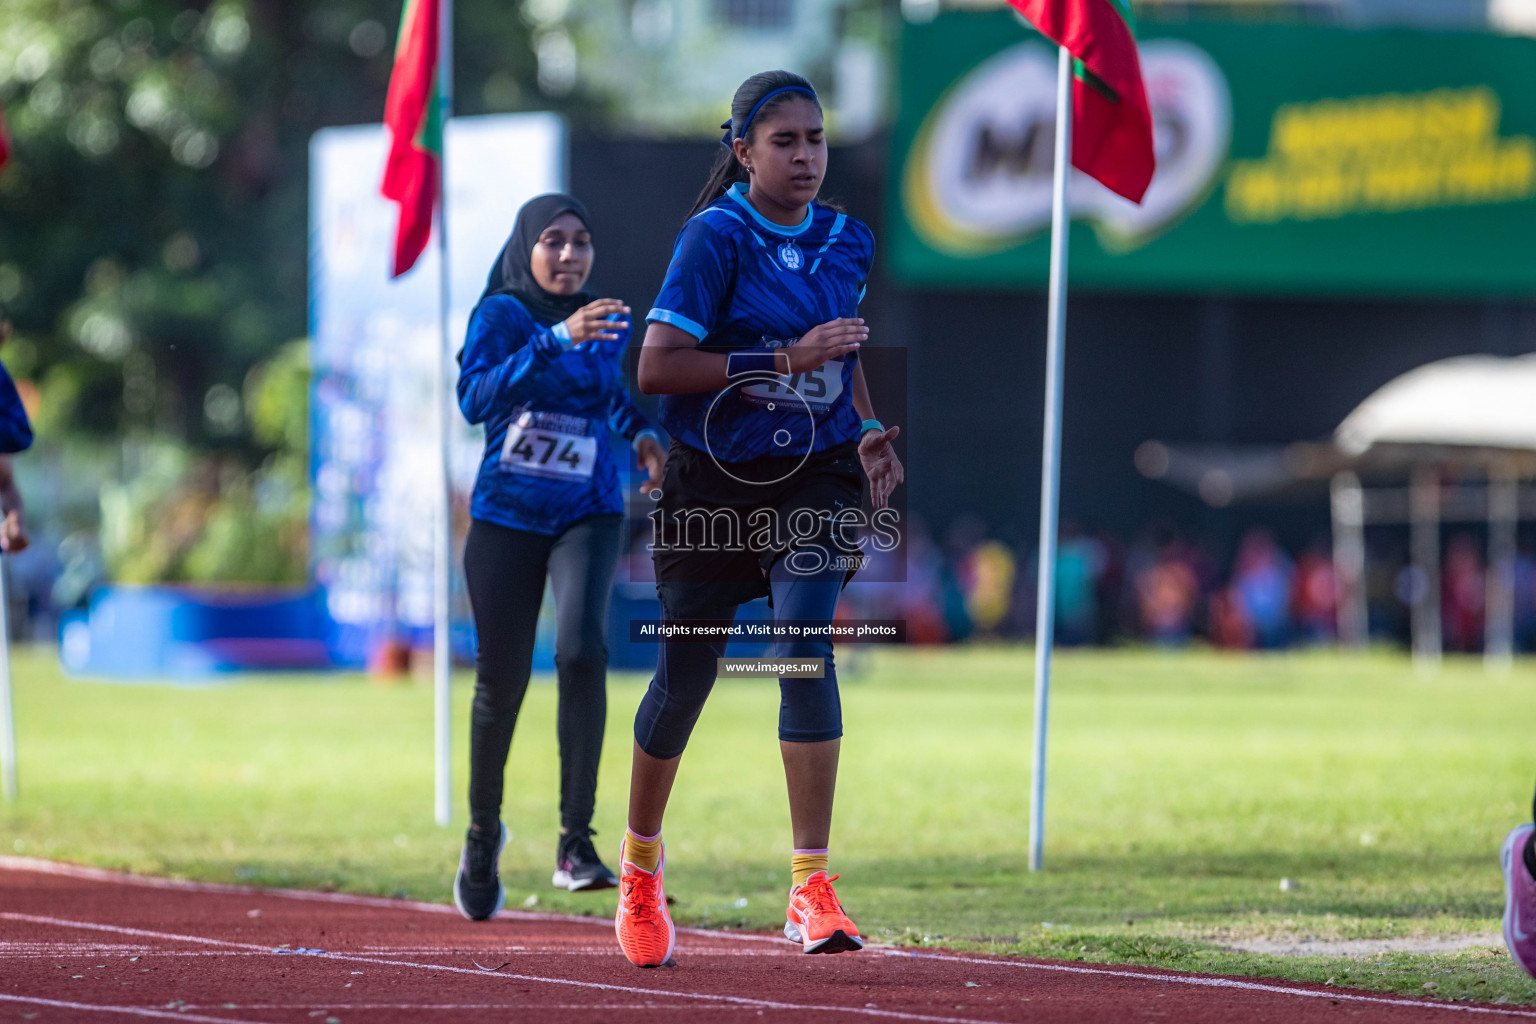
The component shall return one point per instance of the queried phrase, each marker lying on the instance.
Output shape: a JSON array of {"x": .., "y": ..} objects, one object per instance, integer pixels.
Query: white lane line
[
  {"x": 92, "y": 953},
  {"x": 561, "y": 951},
  {"x": 761, "y": 1004},
  {"x": 606, "y": 951},
  {"x": 147, "y": 952},
  {"x": 134, "y": 1011},
  {"x": 49, "y": 867},
  {"x": 121, "y": 930},
  {"x": 1190, "y": 979},
  {"x": 742, "y": 1001},
  {"x": 358, "y": 1007},
  {"x": 1177, "y": 979}
]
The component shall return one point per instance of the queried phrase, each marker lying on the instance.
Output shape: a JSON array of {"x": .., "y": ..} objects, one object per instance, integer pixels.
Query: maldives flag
[
  {"x": 412, "y": 172},
  {"x": 1111, "y": 121}
]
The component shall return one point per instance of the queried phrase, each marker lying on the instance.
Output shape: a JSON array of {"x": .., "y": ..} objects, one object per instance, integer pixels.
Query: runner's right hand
[
  {"x": 826, "y": 341},
  {"x": 591, "y": 323}
]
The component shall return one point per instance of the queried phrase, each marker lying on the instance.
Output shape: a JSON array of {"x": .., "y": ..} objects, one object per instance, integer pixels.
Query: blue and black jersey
[
  {"x": 548, "y": 409},
  {"x": 739, "y": 281},
  {"x": 15, "y": 428}
]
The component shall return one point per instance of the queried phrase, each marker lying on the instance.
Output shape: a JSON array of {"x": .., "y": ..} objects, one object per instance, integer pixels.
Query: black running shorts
[{"x": 719, "y": 526}]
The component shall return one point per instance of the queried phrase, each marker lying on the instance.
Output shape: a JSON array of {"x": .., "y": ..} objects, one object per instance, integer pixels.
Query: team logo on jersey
[{"x": 790, "y": 256}]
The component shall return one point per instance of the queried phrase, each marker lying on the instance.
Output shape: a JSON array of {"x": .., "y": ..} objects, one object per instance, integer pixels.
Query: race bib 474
[{"x": 549, "y": 445}]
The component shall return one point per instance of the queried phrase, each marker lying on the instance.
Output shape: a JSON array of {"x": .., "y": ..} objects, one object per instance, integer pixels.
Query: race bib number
[
  {"x": 537, "y": 445},
  {"x": 819, "y": 387}
]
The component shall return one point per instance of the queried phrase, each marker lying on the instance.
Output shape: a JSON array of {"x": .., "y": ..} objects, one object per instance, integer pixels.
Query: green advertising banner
[{"x": 1291, "y": 160}]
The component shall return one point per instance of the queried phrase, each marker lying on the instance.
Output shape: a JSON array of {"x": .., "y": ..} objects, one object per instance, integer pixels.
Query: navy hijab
[{"x": 512, "y": 273}]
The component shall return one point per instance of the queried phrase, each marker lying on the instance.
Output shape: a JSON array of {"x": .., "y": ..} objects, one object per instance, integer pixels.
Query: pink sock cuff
[
  {"x": 814, "y": 852},
  {"x": 646, "y": 839}
]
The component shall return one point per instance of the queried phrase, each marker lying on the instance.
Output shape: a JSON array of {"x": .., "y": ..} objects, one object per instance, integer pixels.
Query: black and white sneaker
[
  {"x": 477, "y": 888},
  {"x": 577, "y": 866}
]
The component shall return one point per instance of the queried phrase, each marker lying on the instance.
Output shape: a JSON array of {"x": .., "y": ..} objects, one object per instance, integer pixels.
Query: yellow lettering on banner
[
  {"x": 1517, "y": 167},
  {"x": 1383, "y": 154},
  {"x": 1474, "y": 179},
  {"x": 1321, "y": 195}
]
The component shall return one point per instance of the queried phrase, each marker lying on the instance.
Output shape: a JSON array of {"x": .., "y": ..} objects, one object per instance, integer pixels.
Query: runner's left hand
[
  {"x": 881, "y": 465},
  {"x": 13, "y": 534},
  {"x": 653, "y": 459}
]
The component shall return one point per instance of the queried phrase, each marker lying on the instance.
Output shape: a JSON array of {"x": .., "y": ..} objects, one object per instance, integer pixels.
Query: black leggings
[
  {"x": 505, "y": 569},
  {"x": 810, "y": 710}
]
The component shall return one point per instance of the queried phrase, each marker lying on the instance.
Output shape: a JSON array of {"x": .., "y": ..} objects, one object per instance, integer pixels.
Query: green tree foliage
[
  {"x": 153, "y": 218},
  {"x": 153, "y": 247},
  {"x": 205, "y": 516}
]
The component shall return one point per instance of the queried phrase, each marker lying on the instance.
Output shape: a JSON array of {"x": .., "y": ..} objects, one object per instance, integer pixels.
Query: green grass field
[{"x": 1183, "y": 788}]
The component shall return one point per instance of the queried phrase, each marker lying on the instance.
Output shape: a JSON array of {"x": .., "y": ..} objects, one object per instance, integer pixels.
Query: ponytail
[
  {"x": 726, "y": 172},
  {"x": 755, "y": 97}
]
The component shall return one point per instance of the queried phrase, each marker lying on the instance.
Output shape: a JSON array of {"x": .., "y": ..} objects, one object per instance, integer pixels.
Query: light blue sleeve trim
[
  {"x": 677, "y": 320},
  {"x": 562, "y": 333},
  {"x": 862, "y": 292},
  {"x": 647, "y": 432}
]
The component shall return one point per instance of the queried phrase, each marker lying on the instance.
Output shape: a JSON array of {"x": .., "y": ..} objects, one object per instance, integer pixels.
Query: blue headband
[{"x": 726, "y": 141}]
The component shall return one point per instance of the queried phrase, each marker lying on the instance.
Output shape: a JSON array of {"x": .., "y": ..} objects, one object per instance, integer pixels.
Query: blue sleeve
[
  {"x": 626, "y": 418},
  {"x": 868, "y": 238},
  {"x": 504, "y": 350},
  {"x": 15, "y": 428},
  {"x": 699, "y": 277}
]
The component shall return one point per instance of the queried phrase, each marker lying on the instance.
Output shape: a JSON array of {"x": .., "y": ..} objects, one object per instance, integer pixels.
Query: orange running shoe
[
  {"x": 644, "y": 927},
  {"x": 816, "y": 918}
]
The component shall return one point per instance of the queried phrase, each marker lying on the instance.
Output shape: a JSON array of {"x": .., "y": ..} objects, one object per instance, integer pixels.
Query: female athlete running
[
  {"x": 754, "y": 346},
  {"x": 542, "y": 370}
]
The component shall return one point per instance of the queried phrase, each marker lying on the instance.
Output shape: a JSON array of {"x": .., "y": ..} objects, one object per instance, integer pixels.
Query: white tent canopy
[
  {"x": 1473, "y": 414},
  {"x": 1486, "y": 403},
  {"x": 1477, "y": 401}
]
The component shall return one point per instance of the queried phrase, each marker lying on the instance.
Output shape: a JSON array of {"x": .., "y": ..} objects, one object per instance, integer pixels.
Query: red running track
[{"x": 78, "y": 944}]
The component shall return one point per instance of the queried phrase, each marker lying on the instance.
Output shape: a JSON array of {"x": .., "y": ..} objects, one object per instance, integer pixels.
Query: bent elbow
[
  {"x": 646, "y": 377},
  {"x": 468, "y": 407}
]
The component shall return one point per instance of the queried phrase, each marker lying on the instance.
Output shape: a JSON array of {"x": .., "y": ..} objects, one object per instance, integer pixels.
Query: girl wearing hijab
[{"x": 542, "y": 370}]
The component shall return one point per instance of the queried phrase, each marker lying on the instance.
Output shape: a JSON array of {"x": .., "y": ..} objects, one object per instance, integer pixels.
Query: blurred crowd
[
  {"x": 1165, "y": 588},
  {"x": 1169, "y": 589}
]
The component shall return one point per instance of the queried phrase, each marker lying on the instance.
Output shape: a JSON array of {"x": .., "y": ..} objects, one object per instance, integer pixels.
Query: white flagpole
[
  {"x": 1050, "y": 456},
  {"x": 442, "y": 648}
]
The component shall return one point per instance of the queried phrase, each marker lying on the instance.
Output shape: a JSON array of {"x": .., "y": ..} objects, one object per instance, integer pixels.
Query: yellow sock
[
  {"x": 805, "y": 863},
  {"x": 642, "y": 851}
]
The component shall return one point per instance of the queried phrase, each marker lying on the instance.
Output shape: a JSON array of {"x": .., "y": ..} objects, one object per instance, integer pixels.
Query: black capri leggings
[
  {"x": 705, "y": 581},
  {"x": 810, "y": 710},
  {"x": 505, "y": 569}
]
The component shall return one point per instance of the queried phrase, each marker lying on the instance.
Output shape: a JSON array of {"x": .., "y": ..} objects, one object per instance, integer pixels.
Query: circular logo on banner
[
  {"x": 789, "y": 255},
  {"x": 978, "y": 176}
]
